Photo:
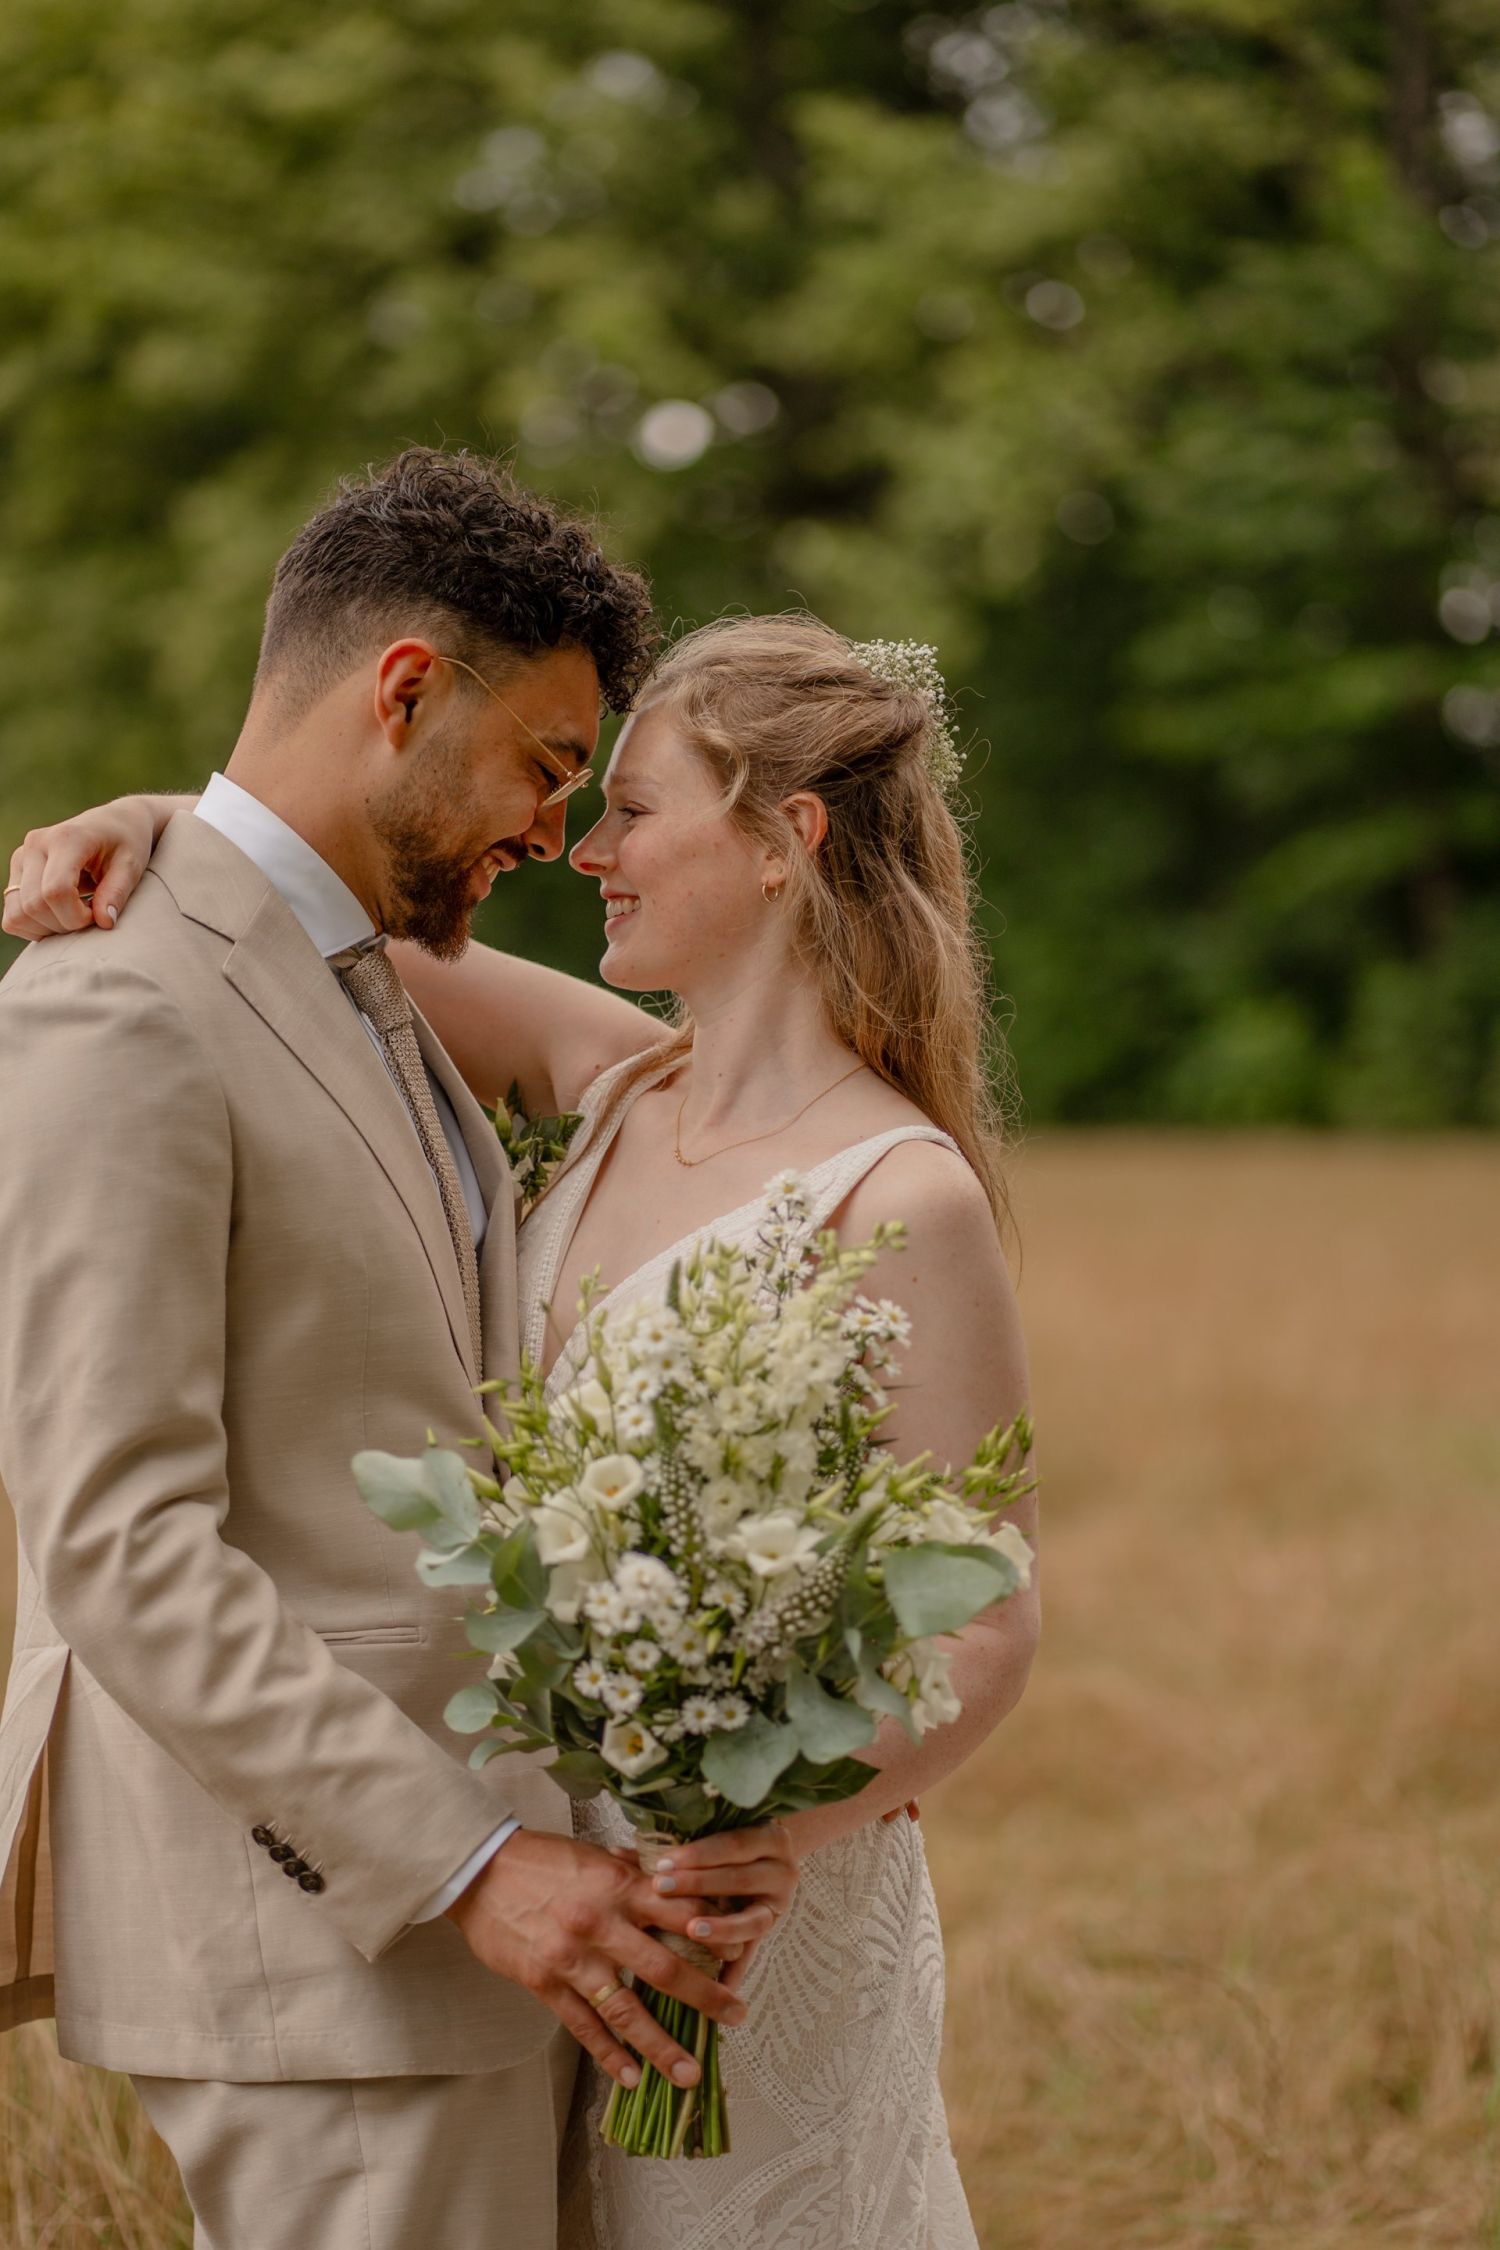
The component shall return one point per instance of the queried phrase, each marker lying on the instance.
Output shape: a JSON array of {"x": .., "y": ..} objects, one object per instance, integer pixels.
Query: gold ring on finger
[{"x": 606, "y": 1992}]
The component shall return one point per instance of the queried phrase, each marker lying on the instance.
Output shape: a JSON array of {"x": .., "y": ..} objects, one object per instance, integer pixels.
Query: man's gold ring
[
  {"x": 606, "y": 1992},
  {"x": 10, "y": 890}
]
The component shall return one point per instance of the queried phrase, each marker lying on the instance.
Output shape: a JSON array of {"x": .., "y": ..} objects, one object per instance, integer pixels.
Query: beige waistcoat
[{"x": 225, "y": 1271}]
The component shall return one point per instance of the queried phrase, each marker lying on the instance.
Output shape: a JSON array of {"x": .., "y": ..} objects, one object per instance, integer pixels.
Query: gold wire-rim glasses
[{"x": 565, "y": 788}]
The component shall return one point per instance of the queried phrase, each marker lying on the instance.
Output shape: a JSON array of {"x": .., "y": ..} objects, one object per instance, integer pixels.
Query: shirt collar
[{"x": 322, "y": 901}]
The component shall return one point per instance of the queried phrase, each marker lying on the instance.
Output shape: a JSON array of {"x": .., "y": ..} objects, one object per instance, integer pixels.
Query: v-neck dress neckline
[{"x": 548, "y": 1234}]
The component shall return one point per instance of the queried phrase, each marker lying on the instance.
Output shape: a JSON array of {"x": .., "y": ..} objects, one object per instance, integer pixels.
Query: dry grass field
[{"x": 1223, "y": 1899}]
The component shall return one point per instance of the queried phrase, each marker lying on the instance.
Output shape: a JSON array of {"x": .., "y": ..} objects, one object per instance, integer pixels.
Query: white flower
[
  {"x": 699, "y": 1713},
  {"x": 635, "y": 1424},
  {"x": 774, "y": 1545},
  {"x": 641, "y": 1656},
  {"x": 732, "y": 1712},
  {"x": 620, "y": 1695},
  {"x": 588, "y": 1400},
  {"x": 505, "y": 1666},
  {"x": 613, "y": 1482},
  {"x": 687, "y": 1645},
  {"x": 641, "y": 1385},
  {"x": 723, "y": 1500},
  {"x": 935, "y": 1704},
  {"x": 590, "y": 1678},
  {"x": 567, "y": 1587},
  {"x": 1009, "y": 1540},
  {"x": 958, "y": 1526},
  {"x": 561, "y": 1532},
  {"x": 648, "y": 1582},
  {"x": 630, "y": 1748},
  {"x": 614, "y": 1611}
]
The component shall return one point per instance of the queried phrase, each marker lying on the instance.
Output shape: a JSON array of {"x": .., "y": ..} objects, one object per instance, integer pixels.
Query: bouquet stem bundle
[{"x": 658, "y": 2118}]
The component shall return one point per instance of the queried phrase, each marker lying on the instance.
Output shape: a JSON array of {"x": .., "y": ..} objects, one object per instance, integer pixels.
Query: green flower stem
[{"x": 659, "y": 2119}]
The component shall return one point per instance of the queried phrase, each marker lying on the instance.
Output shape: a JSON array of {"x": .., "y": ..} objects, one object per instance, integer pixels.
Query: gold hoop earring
[{"x": 769, "y": 895}]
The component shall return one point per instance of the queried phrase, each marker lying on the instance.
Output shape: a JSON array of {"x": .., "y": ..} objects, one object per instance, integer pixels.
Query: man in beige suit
[{"x": 253, "y": 1222}]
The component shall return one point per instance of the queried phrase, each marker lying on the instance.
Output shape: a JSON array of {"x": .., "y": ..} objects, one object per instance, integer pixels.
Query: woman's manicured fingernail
[
  {"x": 630, "y": 2076},
  {"x": 666, "y": 1882},
  {"x": 113, "y": 912},
  {"x": 665, "y": 1866},
  {"x": 685, "y": 2073},
  {"x": 702, "y": 1929}
]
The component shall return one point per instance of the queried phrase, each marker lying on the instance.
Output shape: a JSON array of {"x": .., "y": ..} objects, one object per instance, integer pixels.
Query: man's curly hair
[{"x": 448, "y": 544}]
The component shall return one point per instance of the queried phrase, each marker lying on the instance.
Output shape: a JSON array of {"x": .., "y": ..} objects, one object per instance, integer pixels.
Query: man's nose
[{"x": 548, "y": 833}]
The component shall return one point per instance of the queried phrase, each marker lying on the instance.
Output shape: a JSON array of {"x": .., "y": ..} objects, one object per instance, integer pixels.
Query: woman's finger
[
  {"x": 753, "y": 1879},
  {"x": 732, "y": 1846},
  {"x": 738, "y": 1929},
  {"x": 669, "y": 1973}
]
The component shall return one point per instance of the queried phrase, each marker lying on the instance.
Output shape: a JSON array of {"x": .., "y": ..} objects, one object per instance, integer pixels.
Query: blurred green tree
[{"x": 1146, "y": 357}]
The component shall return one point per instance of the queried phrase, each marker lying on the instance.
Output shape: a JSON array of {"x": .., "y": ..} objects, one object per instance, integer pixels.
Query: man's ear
[{"x": 407, "y": 675}]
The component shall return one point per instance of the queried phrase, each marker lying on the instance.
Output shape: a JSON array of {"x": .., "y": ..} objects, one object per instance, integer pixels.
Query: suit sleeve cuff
[{"x": 459, "y": 1881}]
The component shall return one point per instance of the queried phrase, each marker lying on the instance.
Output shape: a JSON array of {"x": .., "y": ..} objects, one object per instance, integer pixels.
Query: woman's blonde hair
[{"x": 881, "y": 914}]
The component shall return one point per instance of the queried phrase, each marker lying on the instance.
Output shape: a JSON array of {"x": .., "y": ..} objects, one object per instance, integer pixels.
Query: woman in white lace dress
[{"x": 777, "y": 851}]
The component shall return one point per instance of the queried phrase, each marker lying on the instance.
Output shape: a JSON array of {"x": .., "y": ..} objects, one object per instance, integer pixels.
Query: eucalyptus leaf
[
  {"x": 447, "y": 1479},
  {"x": 491, "y": 1747},
  {"x": 459, "y": 1566},
  {"x": 939, "y": 1588},
  {"x": 472, "y": 1708},
  {"x": 877, "y": 1694},
  {"x": 517, "y": 1572},
  {"x": 745, "y": 1763},
  {"x": 826, "y": 1728},
  {"x": 396, "y": 1490},
  {"x": 581, "y": 1772},
  {"x": 499, "y": 1630}
]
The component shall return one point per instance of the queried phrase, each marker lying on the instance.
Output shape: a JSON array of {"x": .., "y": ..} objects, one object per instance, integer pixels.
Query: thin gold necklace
[{"x": 691, "y": 1163}]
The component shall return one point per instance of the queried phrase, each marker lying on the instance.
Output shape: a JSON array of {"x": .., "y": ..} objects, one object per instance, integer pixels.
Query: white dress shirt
[{"x": 333, "y": 918}]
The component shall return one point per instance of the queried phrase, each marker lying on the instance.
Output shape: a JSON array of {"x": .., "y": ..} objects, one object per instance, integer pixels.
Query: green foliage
[{"x": 1145, "y": 360}]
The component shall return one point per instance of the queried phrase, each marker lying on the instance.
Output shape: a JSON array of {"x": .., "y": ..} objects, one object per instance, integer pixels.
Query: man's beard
[{"x": 429, "y": 892}]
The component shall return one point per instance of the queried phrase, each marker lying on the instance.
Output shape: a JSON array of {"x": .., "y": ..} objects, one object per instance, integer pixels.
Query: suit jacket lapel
[{"x": 275, "y": 967}]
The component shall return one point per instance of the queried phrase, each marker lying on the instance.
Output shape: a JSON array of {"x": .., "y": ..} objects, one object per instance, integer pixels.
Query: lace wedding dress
[{"x": 840, "y": 2137}]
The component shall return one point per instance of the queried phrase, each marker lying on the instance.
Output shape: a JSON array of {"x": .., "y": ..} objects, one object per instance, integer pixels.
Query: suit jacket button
[
  {"x": 263, "y": 1836},
  {"x": 281, "y": 1852},
  {"x": 311, "y": 1881},
  {"x": 294, "y": 1867}
]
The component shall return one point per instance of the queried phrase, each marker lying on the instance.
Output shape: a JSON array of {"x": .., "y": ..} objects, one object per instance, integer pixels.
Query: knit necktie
[{"x": 378, "y": 993}]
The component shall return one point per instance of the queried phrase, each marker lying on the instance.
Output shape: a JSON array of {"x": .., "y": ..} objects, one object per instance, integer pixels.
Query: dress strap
[{"x": 832, "y": 1183}]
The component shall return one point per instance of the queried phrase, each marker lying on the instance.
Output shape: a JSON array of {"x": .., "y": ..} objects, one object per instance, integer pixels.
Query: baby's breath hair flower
[{"x": 913, "y": 665}]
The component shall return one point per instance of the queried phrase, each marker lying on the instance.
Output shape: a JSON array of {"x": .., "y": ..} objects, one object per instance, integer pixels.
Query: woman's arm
[
  {"x": 506, "y": 1021},
  {"x": 963, "y": 1372},
  {"x": 83, "y": 870},
  {"x": 503, "y": 1020}
]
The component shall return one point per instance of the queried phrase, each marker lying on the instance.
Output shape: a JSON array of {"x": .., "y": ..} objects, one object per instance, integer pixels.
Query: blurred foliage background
[{"x": 1144, "y": 356}]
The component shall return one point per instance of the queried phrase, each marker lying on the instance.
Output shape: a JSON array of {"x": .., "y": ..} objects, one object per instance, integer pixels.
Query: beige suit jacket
[{"x": 225, "y": 1271}]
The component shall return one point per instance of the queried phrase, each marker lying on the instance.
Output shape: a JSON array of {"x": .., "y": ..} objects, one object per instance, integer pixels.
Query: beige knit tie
[{"x": 378, "y": 993}]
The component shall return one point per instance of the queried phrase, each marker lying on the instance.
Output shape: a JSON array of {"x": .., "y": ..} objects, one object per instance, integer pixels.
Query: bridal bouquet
[{"x": 704, "y": 1579}]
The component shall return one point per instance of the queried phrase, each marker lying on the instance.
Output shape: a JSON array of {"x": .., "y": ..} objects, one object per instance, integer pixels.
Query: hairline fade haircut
[{"x": 449, "y": 545}]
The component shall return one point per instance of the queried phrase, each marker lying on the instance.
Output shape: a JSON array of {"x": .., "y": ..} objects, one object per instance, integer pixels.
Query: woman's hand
[{"x": 81, "y": 871}]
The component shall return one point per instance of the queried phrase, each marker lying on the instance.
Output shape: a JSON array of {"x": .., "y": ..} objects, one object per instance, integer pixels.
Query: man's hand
[
  {"x": 566, "y": 1920},
  {"x": 79, "y": 871}
]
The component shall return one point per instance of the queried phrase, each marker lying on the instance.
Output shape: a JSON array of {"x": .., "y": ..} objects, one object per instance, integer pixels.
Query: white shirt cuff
[{"x": 459, "y": 1881}]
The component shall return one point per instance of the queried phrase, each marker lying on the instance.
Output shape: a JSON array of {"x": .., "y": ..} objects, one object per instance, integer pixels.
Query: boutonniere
[{"x": 534, "y": 1146}]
